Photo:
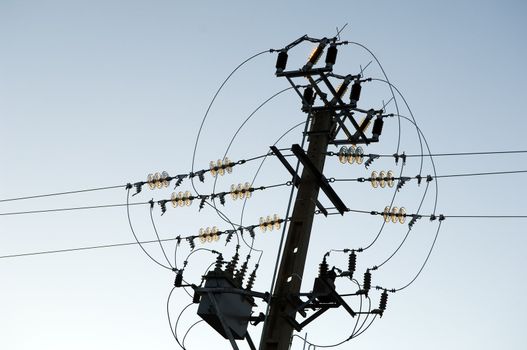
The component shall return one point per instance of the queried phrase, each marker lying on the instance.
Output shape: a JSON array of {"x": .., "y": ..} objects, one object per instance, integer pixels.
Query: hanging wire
[
  {"x": 158, "y": 239},
  {"x": 135, "y": 236},
  {"x": 210, "y": 106}
]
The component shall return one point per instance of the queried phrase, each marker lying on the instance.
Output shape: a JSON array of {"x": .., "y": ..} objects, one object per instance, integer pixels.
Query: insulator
[
  {"x": 276, "y": 220},
  {"x": 229, "y": 236},
  {"x": 343, "y": 154},
  {"x": 352, "y": 263},
  {"x": 359, "y": 154},
  {"x": 219, "y": 263},
  {"x": 331, "y": 56},
  {"x": 382, "y": 177},
  {"x": 402, "y": 215},
  {"x": 323, "y": 267},
  {"x": 390, "y": 180},
  {"x": 365, "y": 127},
  {"x": 180, "y": 200},
  {"x": 178, "y": 182},
  {"x": 355, "y": 92},
  {"x": 208, "y": 234},
  {"x": 150, "y": 181},
  {"x": 369, "y": 161},
  {"x": 247, "y": 189},
  {"x": 351, "y": 154},
  {"x": 202, "y": 203},
  {"x": 232, "y": 264},
  {"x": 157, "y": 179},
  {"x": 221, "y": 170},
  {"x": 165, "y": 176},
  {"x": 281, "y": 61},
  {"x": 394, "y": 214},
  {"x": 377, "y": 127},
  {"x": 374, "y": 179},
  {"x": 269, "y": 223},
  {"x": 188, "y": 201},
  {"x": 173, "y": 199},
  {"x": 191, "y": 243},
  {"x": 201, "y": 235},
  {"x": 251, "y": 279},
  {"x": 240, "y": 275},
  {"x": 241, "y": 192},
  {"x": 234, "y": 192},
  {"x": 227, "y": 165},
  {"x": 309, "y": 96},
  {"x": 384, "y": 301},
  {"x": 263, "y": 226},
  {"x": 315, "y": 55},
  {"x": 212, "y": 166},
  {"x": 179, "y": 278},
  {"x": 386, "y": 214},
  {"x": 341, "y": 89},
  {"x": 366, "y": 285},
  {"x": 214, "y": 233}
]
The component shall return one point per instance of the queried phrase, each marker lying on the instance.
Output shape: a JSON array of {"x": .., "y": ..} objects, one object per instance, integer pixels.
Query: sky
[{"x": 102, "y": 93}]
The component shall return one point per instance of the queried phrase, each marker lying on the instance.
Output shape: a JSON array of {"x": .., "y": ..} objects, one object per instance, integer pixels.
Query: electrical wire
[
  {"x": 188, "y": 330},
  {"x": 72, "y": 208},
  {"x": 210, "y": 106},
  {"x": 173, "y": 330},
  {"x": 424, "y": 263},
  {"x": 62, "y": 193},
  {"x": 135, "y": 236},
  {"x": 157, "y": 236},
  {"x": 407, "y": 233}
]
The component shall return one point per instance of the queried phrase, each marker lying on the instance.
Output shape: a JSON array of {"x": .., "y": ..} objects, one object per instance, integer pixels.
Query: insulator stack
[
  {"x": 181, "y": 199},
  {"x": 158, "y": 180},
  {"x": 382, "y": 179},
  {"x": 342, "y": 88},
  {"x": 219, "y": 263},
  {"x": 383, "y": 302},
  {"x": 394, "y": 215},
  {"x": 179, "y": 278},
  {"x": 190, "y": 241},
  {"x": 331, "y": 56},
  {"x": 281, "y": 61},
  {"x": 270, "y": 223},
  {"x": 208, "y": 234},
  {"x": 252, "y": 278},
  {"x": 355, "y": 92},
  {"x": 377, "y": 127},
  {"x": 366, "y": 285},
  {"x": 351, "y": 155},
  {"x": 323, "y": 268},
  {"x": 231, "y": 266},
  {"x": 220, "y": 167},
  {"x": 316, "y": 54},
  {"x": 240, "y": 275},
  {"x": 352, "y": 263},
  {"x": 241, "y": 191}
]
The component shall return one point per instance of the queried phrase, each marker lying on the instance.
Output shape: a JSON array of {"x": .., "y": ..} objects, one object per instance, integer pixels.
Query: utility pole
[{"x": 278, "y": 330}]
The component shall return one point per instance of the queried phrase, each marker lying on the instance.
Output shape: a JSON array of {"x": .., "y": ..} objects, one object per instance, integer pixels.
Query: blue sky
[{"x": 104, "y": 92}]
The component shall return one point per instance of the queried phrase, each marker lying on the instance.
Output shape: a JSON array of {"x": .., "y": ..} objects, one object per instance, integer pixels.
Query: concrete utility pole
[{"x": 278, "y": 330}]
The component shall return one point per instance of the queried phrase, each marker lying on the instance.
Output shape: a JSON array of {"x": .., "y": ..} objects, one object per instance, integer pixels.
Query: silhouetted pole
[{"x": 277, "y": 330}]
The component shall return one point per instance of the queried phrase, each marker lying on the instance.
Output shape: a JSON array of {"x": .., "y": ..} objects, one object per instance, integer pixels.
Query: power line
[
  {"x": 71, "y": 208},
  {"x": 112, "y": 245},
  {"x": 62, "y": 193}
]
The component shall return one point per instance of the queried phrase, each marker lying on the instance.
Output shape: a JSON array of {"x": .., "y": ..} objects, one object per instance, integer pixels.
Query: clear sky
[{"x": 101, "y": 93}]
